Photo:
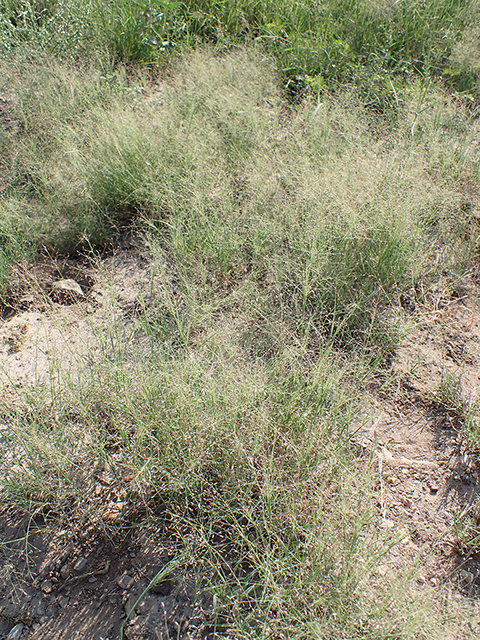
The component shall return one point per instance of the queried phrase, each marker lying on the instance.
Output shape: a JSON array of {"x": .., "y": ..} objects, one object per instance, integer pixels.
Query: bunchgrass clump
[
  {"x": 249, "y": 463},
  {"x": 312, "y": 206}
]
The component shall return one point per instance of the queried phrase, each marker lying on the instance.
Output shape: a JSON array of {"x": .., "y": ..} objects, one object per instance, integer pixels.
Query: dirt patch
[
  {"x": 60, "y": 316},
  {"x": 421, "y": 441},
  {"x": 84, "y": 584}
]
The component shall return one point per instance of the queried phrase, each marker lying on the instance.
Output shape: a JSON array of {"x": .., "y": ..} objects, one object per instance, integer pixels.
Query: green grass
[
  {"x": 315, "y": 44},
  {"x": 312, "y": 207},
  {"x": 249, "y": 462}
]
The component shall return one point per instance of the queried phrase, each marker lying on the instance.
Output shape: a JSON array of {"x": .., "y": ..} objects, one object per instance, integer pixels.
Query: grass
[
  {"x": 290, "y": 199},
  {"x": 248, "y": 462},
  {"x": 285, "y": 207},
  {"x": 375, "y": 46}
]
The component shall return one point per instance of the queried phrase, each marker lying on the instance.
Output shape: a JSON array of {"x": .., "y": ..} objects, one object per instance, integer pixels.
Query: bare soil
[{"x": 420, "y": 438}]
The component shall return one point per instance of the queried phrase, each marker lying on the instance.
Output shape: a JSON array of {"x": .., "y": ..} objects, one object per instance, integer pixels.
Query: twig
[{"x": 82, "y": 576}]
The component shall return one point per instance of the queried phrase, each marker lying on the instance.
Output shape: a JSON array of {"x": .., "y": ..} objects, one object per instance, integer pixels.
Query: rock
[
  {"x": 80, "y": 564},
  {"x": 462, "y": 463},
  {"x": 16, "y": 632},
  {"x": 125, "y": 581},
  {"x": 63, "y": 602},
  {"x": 162, "y": 588},
  {"x": 130, "y": 602},
  {"x": 466, "y": 576},
  {"x": 407, "y": 502},
  {"x": 67, "y": 292},
  {"x": 38, "y": 606},
  {"x": 66, "y": 571},
  {"x": 47, "y": 586}
]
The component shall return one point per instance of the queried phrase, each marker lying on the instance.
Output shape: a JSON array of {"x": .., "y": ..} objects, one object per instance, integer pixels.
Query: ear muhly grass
[
  {"x": 253, "y": 465},
  {"x": 313, "y": 206},
  {"x": 278, "y": 240}
]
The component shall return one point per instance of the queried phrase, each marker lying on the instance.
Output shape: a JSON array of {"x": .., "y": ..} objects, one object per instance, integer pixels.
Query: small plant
[{"x": 464, "y": 406}]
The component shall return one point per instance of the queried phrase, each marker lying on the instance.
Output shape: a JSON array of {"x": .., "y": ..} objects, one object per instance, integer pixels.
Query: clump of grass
[
  {"x": 249, "y": 462},
  {"x": 312, "y": 205},
  {"x": 279, "y": 238}
]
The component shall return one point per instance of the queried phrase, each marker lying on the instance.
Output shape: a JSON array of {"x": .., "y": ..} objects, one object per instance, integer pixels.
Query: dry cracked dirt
[{"x": 82, "y": 583}]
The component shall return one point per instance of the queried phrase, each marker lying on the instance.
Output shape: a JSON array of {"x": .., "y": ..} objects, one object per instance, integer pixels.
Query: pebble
[
  {"x": 466, "y": 576},
  {"x": 162, "y": 588},
  {"x": 38, "y": 606},
  {"x": 69, "y": 287},
  {"x": 461, "y": 463},
  {"x": 63, "y": 602},
  {"x": 47, "y": 586},
  {"x": 80, "y": 564},
  {"x": 125, "y": 581},
  {"x": 16, "y": 632},
  {"x": 65, "y": 571}
]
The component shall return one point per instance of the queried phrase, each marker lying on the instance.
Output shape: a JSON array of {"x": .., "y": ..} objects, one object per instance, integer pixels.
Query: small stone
[
  {"x": 466, "y": 576},
  {"x": 162, "y": 588},
  {"x": 66, "y": 571},
  {"x": 67, "y": 291},
  {"x": 407, "y": 502},
  {"x": 129, "y": 603},
  {"x": 63, "y": 602},
  {"x": 16, "y": 632},
  {"x": 461, "y": 463},
  {"x": 92, "y": 579},
  {"x": 125, "y": 581},
  {"x": 47, "y": 586},
  {"x": 80, "y": 564},
  {"x": 38, "y": 606}
]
